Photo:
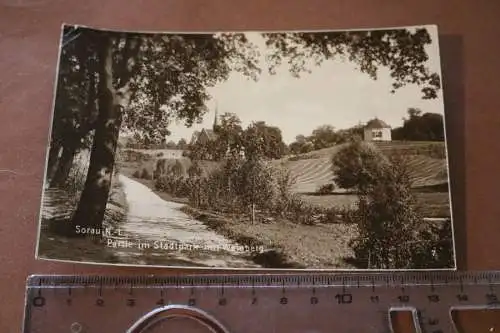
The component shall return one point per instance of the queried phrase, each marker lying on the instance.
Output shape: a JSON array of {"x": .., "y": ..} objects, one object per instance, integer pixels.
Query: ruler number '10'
[{"x": 344, "y": 298}]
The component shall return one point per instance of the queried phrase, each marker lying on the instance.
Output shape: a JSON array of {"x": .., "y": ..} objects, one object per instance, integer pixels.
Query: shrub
[
  {"x": 194, "y": 169},
  {"x": 238, "y": 185},
  {"x": 215, "y": 192},
  {"x": 298, "y": 211},
  {"x": 145, "y": 174},
  {"x": 176, "y": 186},
  {"x": 389, "y": 223},
  {"x": 326, "y": 189},
  {"x": 284, "y": 182},
  {"x": 136, "y": 174},
  {"x": 293, "y": 208},
  {"x": 333, "y": 215},
  {"x": 255, "y": 183},
  {"x": 358, "y": 166},
  {"x": 435, "y": 247},
  {"x": 227, "y": 182},
  {"x": 304, "y": 213},
  {"x": 177, "y": 169},
  {"x": 160, "y": 168},
  {"x": 160, "y": 184},
  {"x": 196, "y": 196}
]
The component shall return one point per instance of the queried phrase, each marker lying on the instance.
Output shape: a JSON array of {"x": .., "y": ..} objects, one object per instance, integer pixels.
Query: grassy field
[
  {"x": 296, "y": 245},
  {"x": 432, "y": 204}
]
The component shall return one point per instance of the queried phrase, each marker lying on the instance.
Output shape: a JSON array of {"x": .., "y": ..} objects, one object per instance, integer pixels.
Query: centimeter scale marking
[{"x": 326, "y": 302}]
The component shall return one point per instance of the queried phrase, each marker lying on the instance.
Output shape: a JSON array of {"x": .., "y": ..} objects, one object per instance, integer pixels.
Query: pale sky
[{"x": 335, "y": 93}]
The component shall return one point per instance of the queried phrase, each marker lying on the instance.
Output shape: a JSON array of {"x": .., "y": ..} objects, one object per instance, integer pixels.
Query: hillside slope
[
  {"x": 428, "y": 167},
  {"x": 313, "y": 169}
]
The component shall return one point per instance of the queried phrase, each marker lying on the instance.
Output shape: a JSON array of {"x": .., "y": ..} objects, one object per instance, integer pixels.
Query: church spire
[{"x": 216, "y": 116}]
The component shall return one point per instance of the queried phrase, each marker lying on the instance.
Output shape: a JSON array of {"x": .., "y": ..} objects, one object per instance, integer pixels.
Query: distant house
[
  {"x": 203, "y": 136},
  {"x": 377, "y": 130}
]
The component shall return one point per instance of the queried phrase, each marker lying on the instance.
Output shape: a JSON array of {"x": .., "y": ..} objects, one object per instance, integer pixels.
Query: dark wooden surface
[{"x": 29, "y": 36}]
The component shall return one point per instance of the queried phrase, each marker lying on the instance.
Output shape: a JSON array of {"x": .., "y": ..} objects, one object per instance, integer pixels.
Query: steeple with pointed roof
[{"x": 216, "y": 117}]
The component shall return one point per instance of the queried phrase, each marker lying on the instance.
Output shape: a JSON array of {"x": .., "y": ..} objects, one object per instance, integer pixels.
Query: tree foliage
[
  {"x": 402, "y": 51},
  {"x": 76, "y": 92},
  {"x": 352, "y": 134},
  {"x": 198, "y": 151},
  {"x": 182, "y": 144},
  {"x": 75, "y": 111},
  {"x": 264, "y": 141},
  {"x": 255, "y": 183},
  {"x": 173, "y": 73},
  {"x": 420, "y": 127},
  {"x": 258, "y": 140},
  {"x": 324, "y": 136},
  {"x": 388, "y": 220},
  {"x": 171, "y": 145},
  {"x": 229, "y": 136}
]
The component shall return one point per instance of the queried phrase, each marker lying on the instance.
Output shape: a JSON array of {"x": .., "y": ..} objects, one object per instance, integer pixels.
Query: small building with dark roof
[
  {"x": 377, "y": 130},
  {"x": 206, "y": 134}
]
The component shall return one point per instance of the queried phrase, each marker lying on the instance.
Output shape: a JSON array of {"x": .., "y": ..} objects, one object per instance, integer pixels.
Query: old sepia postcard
[{"x": 318, "y": 150}]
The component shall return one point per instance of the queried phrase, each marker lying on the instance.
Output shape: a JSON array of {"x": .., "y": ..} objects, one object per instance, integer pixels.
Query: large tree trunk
[
  {"x": 63, "y": 167},
  {"x": 92, "y": 204},
  {"x": 52, "y": 162}
]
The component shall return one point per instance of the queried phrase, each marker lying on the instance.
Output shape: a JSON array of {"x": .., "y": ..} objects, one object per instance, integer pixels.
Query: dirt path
[{"x": 154, "y": 221}]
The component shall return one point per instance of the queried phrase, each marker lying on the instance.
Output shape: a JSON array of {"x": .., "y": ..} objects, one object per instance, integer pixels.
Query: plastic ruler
[{"x": 433, "y": 302}]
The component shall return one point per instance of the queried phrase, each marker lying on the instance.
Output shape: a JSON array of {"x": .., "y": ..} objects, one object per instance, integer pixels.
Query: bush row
[
  {"x": 250, "y": 188},
  {"x": 431, "y": 150}
]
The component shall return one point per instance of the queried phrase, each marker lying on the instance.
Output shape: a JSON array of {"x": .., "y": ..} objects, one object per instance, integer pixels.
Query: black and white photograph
[{"x": 317, "y": 150}]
